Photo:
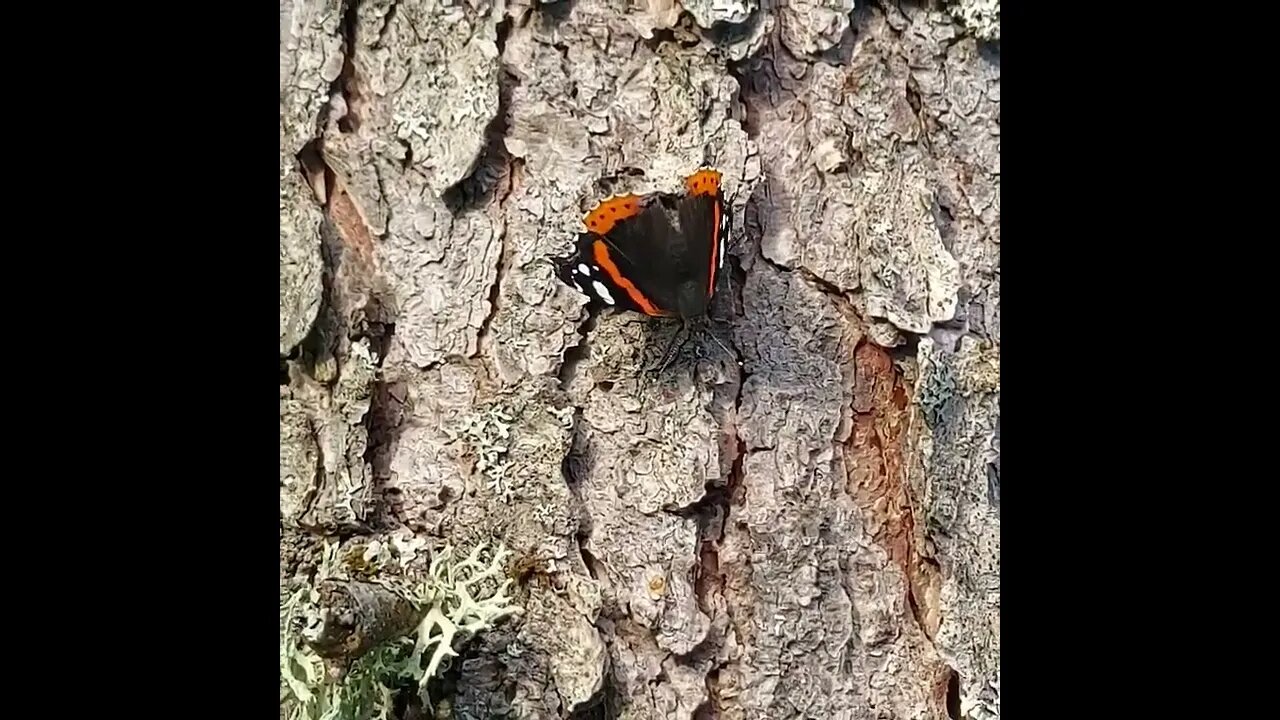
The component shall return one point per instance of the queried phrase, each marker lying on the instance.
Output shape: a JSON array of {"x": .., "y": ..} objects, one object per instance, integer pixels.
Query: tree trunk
[{"x": 806, "y": 528}]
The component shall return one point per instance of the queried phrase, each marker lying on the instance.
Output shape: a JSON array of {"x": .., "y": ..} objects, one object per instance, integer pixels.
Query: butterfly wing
[
  {"x": 704, "y": 227},
  {"x": 633, "y": 259},
  {"x": 622, "y": 260}
]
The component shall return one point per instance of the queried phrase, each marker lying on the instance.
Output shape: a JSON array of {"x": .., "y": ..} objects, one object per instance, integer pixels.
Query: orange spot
[{"x": 600, "y": 252}]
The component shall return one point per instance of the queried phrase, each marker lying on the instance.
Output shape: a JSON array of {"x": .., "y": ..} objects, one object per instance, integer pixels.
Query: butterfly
[{"x": 633, "y": 258}]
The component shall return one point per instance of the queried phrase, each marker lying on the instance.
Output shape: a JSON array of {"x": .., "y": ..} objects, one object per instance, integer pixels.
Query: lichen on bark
[{"x": 956, "y": 479}]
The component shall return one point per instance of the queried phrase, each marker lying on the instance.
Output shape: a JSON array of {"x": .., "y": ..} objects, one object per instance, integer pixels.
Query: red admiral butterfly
[{"x": 633, "y": 258}]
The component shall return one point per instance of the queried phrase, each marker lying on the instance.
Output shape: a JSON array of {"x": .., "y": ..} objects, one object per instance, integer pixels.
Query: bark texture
[
  {"x": 356, "y": 616},
  {"x": 808, "y": 528}
]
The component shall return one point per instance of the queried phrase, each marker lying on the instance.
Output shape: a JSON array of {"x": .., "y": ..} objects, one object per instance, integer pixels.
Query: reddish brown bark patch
[
  {"x": 877, "y": 475},
  {"x": 350, "y": 224}
]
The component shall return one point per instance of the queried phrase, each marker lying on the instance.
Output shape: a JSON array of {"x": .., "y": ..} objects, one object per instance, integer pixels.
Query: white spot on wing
[
  {"x": 582, "y": 268},
  {"x": 724, "y": 230},
  {"x": 602, "y": 291}
]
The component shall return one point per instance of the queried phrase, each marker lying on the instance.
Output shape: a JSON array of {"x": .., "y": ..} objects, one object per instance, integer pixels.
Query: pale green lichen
[
  {"x": 488, "y": 434},
  {"x": 461, "y": 598},
  {"x": 302, "y": 672},
  {"x": 982, "y": 17},
  {"x": 299, "y": 671},
  {"x": 456, "y": 592},
  {"x": 398, "y": 551}
]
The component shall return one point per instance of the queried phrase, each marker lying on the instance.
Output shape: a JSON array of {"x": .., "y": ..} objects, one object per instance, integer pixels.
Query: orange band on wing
[
  {"x": 703, "y": 182},
  {"x": 707, "y": 182},
  {"x": 600, "y": 252},
  {"x": 610, "y": 212},
  {"x": 715, "y": 247}
]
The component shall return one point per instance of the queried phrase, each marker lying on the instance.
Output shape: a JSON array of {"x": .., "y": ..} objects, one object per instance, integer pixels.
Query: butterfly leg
[{"x": 676, "y": 343}]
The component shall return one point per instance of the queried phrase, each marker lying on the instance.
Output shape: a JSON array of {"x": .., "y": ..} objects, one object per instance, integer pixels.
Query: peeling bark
[{"x": 806, "y": 526}]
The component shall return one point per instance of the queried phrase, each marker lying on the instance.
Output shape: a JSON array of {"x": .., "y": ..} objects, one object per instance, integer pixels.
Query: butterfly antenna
[
  {"x": 724, "y": 347},
  {"x": 712, "y": 331}
]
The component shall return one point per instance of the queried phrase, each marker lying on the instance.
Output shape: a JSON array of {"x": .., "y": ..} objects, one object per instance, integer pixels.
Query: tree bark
[
  {"x": 806, "y": 527},
  {"x": 356, "y": 616}
]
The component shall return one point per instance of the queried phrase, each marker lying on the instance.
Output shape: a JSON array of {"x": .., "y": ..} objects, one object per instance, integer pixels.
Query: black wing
[
  {"x": 629, "y": 266},
  {"x": 648, "y": 255},
  {"x": 704, "y": 226}
]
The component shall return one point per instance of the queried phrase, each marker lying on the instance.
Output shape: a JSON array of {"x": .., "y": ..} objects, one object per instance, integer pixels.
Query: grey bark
[{"x": 807, "y": 528}]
